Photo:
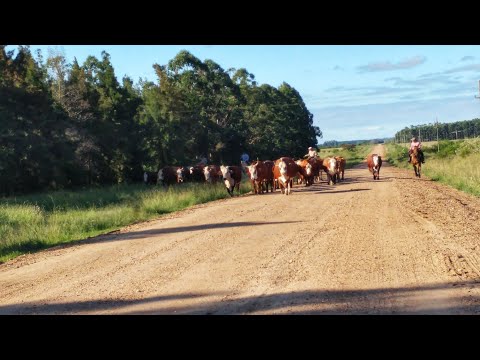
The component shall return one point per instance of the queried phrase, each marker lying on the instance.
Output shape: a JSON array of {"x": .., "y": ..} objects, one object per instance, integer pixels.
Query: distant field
[{"x": 353, "y": 157}]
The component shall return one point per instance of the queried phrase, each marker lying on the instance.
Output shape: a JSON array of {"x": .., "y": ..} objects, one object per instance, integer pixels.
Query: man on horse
[
  {"x": 312, "y": 153},
  {"x": 415, "y": 143}
]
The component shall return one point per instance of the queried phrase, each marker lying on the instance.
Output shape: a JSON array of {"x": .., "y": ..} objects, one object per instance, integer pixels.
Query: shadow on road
[
  {"x": 370, "y": 301},
  {"x": 145, "y": 233}
]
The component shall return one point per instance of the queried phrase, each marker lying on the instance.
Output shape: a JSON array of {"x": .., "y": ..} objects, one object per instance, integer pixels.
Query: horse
[{"x": 417, "y": 164}]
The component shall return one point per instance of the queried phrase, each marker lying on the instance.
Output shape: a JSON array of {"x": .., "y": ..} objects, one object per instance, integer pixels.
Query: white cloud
[
  {"x": 467, "y": 58},
  {"x": 388, "y": 66},
  {"x": 472, "y": 67}
]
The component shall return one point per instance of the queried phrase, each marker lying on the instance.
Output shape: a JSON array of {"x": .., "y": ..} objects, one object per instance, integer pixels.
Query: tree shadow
[
  {"x": 36, "y": 245},
  {"x": 365, "y": 179},
  {"x": 144, "y": 233},
  {"x": 340, "y": 191},
  {"x": 95, "y": 305},
  {"x": 308, "y": 302}
]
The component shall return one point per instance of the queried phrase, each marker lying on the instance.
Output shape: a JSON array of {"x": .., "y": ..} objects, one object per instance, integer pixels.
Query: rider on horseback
[
  {"x": 312, "y": 154},
  {"x": 415, "y": 143}
]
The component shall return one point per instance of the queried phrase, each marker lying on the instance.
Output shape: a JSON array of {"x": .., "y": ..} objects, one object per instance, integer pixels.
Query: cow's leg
[{"x": 283, "y": 186}]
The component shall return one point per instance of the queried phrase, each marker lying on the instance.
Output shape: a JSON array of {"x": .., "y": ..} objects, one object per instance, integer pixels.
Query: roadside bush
[
  {"x": 349, "y": 147},
  {"x": 469, "y": 147},
  {"x": 448, "y": 148}
]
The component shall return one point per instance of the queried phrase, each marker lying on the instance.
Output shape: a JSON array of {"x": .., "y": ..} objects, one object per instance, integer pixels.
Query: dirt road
[{"x": 395, "y": 246}]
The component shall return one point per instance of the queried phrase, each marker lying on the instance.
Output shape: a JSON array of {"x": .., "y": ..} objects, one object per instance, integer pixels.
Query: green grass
[
  {"x": 353, "y": 157},
  {"x": 456, "y": 164},
  {"x": 31, "y": 223}
]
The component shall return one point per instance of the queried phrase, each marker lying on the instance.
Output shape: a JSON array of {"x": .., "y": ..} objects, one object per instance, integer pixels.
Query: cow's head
[
  {"x": 309, "y": 169},
  {"x": 252, "y": 169},
  {"x": 332, "y": 165},
  {"x": 282, "y": 166},
  {"x": 191, "y": 169},
  {"x": 226, "y": 172},
  {"x": 376, "y": 164},
  {"x": 227, "y": 177},
  {"x": 206, "y": 172}
]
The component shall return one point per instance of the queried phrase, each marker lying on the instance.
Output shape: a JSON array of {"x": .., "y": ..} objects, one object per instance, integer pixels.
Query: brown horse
[{"x": 417, "y": 164}]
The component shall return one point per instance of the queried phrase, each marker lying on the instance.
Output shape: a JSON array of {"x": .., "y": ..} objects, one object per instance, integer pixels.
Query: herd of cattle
[{"x": 262, "y": 174}]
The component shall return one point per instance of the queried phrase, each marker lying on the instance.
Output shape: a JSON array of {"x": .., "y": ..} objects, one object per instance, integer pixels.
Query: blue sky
[{"x": 354, "y": 92}]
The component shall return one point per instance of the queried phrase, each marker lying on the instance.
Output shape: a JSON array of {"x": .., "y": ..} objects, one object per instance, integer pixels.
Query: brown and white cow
[
  {"x": 341, "y": 163},
  {"x": 261, "y": 173},
  {"x": 374, "y": 162},
  {"x": 310, "y": 169},
  {"x": 167, "y": 175},
  {"x": 330, "y": 167},
  {"x": 212, "y": 173},
  {"x": 300, "y": 179},
  {"x": 284, "y": 172},
  {"x": 232, "y": 177},
  {"x": 196, "y": 173}
]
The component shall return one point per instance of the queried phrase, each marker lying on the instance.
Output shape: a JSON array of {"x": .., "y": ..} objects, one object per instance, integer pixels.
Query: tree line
[
  {"x": 446, "y": 131},
  {"x": 65, "y": 125}
]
